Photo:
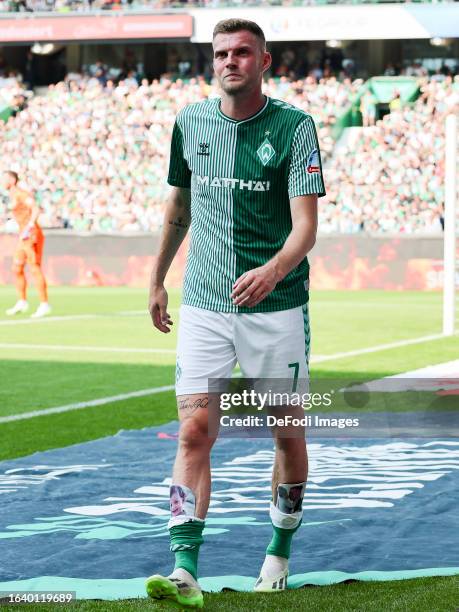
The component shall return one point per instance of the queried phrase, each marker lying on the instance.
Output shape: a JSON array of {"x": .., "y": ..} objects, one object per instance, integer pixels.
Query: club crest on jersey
[
  {"x": 266, "y": 152},
  {"x": 203, "y": 148},
  {"x": 313, "y": 166}
]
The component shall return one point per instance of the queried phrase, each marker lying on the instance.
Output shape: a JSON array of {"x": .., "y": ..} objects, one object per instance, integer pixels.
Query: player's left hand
[{"x": 253, "y": 286}]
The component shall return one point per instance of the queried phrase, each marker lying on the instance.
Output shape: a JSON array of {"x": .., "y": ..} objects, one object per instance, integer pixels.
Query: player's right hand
[
  {"x": 158, "y": 309},
  {"x": 28, "y": 232}
]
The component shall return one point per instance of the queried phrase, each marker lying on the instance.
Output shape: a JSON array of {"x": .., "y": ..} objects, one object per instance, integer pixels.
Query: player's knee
[
  {"x": 35, "y": 269},
  {"x": 194, "y": 433},
  {"x": 18, "y": 269}
]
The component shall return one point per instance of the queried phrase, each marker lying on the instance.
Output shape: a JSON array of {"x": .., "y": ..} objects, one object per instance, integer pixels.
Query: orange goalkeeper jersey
[{"x": 23, "y": 203}]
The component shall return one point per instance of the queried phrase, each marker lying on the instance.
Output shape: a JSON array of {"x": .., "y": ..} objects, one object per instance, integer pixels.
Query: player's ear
[{"x": 267, "y": 60}]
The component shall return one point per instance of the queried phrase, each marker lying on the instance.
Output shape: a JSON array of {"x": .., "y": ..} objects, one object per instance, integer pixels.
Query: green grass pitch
[{"x": 99, "y": 342}]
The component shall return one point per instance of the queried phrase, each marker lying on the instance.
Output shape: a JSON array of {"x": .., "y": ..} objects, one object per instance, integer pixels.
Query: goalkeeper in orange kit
[{"x": 29, "y": 249}]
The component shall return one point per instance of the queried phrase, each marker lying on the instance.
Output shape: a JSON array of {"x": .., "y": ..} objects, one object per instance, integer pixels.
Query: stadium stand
[
  {"x": 96, "y": 153},
  {"x": 390, "y": 179},
  {"x": 65, "y": 6},
  {"x": 96, "y": 156}
]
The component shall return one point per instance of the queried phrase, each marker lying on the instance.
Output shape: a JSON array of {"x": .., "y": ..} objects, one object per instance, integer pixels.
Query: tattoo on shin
[{"x": 190, "y": 406}]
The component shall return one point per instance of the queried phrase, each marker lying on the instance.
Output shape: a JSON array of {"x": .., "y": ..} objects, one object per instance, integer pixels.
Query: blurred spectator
[
  {"x": 396, "y": 103},
  {"x": 12, "y": 91},
  {"x": 415, "y": 69},
  {"x": 368, "y": 108},
  {"x": 390, "y": 70}
]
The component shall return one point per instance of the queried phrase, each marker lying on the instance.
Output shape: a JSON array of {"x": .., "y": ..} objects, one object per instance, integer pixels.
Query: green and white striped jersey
[{"x": 242, "y": 175}]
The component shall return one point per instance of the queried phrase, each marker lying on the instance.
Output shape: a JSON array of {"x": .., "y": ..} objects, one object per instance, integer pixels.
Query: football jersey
[
  {"x": 242, "y": 175},
  {"x": 22, "y": 208}
]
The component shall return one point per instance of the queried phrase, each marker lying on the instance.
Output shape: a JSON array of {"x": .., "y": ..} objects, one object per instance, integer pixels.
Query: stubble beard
[
  {"x": 237, "y": 88},
  {"x": 233, "y": 88}
]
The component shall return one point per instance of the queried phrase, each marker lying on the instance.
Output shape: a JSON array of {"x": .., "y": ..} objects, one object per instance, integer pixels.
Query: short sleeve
[
  {"x": 305, "y": 172},
  {"x": 179, "y": 173}
]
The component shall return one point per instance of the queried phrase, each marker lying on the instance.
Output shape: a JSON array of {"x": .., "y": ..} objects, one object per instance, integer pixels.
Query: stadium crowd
[
  {"x": 391, "y": 179},
  {"x": 95, "y": 154},
  {"x": 13, "y": 93}
]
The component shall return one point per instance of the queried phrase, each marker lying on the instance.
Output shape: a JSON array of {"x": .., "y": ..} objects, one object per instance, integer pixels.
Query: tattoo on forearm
[
  {"x": 193, "y": 405},
  {"x": 179, "y": 224}
]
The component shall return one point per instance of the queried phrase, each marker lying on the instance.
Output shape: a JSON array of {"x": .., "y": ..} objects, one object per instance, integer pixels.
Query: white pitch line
[
  {"x": 131, "y": 313},
  {"x": 119, "y": 349},
  {"x": 30, "y": 321},
  {"x": 379, "y": 347},
  {"x": 95, "y": 349},
  {"x": 145, "y": 312},
  {"x": 80, "y": 405},
  {"x": 155, "y": 390},
  {"x": 121, "y": 313}
]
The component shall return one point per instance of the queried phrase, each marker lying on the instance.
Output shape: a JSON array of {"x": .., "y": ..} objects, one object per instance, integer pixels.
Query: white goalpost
[{"x": 450, "y": 263}]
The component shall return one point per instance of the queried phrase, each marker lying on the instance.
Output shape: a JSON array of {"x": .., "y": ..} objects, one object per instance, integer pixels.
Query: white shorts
[{"x": 267, "y": 345}]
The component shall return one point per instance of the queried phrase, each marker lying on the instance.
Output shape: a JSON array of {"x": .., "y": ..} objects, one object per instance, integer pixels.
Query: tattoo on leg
[{"x": 191, "y": 406}]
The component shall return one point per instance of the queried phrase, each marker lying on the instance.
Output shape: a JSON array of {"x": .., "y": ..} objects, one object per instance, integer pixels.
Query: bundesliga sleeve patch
[{"x": 313, "y": 166}]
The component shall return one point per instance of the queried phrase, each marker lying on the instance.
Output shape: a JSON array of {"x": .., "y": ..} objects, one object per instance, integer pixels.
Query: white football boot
[
  {"x": 19, "y": 307},
  {"x": 273, "y": 575},
  {"x": 43, "y": 309}
]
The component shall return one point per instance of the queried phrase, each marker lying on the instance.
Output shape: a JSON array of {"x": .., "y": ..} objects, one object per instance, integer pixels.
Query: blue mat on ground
[{"x": 92, "y": 518}]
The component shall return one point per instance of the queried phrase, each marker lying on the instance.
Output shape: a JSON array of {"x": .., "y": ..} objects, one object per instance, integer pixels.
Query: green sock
[
  {"x": 281, "y": 541},
  {"x": 185, "y": 542}
]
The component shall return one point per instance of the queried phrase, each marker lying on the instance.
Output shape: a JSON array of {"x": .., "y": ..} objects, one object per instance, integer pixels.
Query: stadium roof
[{"x": 357, "y": 22}]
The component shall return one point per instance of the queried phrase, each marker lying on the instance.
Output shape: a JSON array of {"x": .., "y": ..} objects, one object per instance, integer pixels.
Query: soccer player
[
  {"x": 29, "y": 248},
  {"x": 246, "y": 174}
]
